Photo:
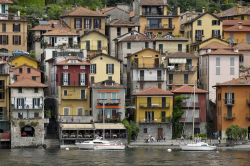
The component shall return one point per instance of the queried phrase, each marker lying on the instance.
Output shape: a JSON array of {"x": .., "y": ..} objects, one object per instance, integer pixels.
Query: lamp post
[
  {"x": 103, "y": 104},
  {"x": 193, "y": 111}
]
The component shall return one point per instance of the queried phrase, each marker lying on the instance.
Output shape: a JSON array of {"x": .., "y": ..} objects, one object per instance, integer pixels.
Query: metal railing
[
  {"x": 108, "y": 101},
  {"x": 75, "y": 118}
]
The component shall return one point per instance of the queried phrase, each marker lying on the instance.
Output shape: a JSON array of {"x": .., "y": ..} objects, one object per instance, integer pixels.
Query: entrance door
[
  {"x": 160, "y": 133},
  {"x": 71, "y": 42}
]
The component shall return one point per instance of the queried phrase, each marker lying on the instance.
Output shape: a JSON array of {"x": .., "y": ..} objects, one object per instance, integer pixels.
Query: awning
[
  {"x": 118, "y": 126},
  {"x": 77, "y": 126},
  {"x": 177, "y": 60}
]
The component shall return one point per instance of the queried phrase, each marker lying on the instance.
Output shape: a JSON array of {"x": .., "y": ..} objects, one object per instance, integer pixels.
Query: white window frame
[
  {"x": 82, "y": 79},
  {"x": 82, "y": 109},
  {"x": 65, "y": 67},
  {"x": 92, "y": 68},
  {"x": 110, "y": 69},
  {"x": 64, "y": 108},
  {"x": 36, "y": 105},
  {"x": 65, "y": 79}
]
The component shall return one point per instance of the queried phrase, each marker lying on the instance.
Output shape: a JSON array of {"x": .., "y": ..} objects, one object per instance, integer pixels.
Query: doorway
[{"x": 160, "y": 133}]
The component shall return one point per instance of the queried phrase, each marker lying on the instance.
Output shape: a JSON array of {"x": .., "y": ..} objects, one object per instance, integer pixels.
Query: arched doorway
[{"x": 27, "y": 131}]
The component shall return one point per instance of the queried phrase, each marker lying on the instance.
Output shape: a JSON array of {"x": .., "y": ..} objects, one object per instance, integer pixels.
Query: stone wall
[
  {"x": 18, "y": 141},
  {"x": 152, "y": 130}
]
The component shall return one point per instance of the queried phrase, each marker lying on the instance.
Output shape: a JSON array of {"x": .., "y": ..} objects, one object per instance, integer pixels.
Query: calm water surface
[{"x": 129, "y": 157}]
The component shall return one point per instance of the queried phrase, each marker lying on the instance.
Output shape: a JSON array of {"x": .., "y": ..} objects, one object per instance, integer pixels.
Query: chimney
[
  {"x": 239, "y": 8},
  {"x": 178, "y": 11},
  {"x": 236, "y": 50},
  {"x": 203, "y": 9},
  {"x": 240, "y": 25}
]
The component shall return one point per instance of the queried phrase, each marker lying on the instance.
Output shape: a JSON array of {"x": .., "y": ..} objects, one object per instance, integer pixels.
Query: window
[
  {"x": 161, "y": 48},
  {"x": 170, "y": 78},
  {"x": 199, "y": 34},
  {"x": 163, "y": 102},
  {"x": 217, "y": 66},
  {"x": 2, "y": 95},
  {"x": 78, "y": 23},
  {"x": 36, "y": 103},
  {"x": 88, "y": 45},
  {"x": 20, "y": 70},
  {"x": 66, "y": 79},
  {"x": 129, "y": 29},
  {"x": 33, "y": 78},
  {"x": 65, "y": 92},
  {"x": 28, "y": 70},
  {"x": 97, "y": 23},
  {"x": 1, "y": 114},
  {"x": 146, "y": 44},
  {"x": 2, "y": 84},
  {"x": 80, "y": 111},
  {"x": 92, "y": 79},
  {"x": 93, "y": 68},
  {"x": 4, "y": 39},
  {"x": 36, "y": 114},
  {"x": 35, "y": 90},
  {"x": 16, "y": 40},
  {"x": 128, "y": 45},
  {"x": 149, "y": 101},
  {"x": 109, "y": 68},
  {"x": 215, "y": 33},
  {"x": 145, "y": 130},
  {"x": 66, "y": 111},
  {"x": 3, "y": 8},
  {"x": 229, "y": 98},
  {"x": 87, "y": 23},
  {"x": 149, "y": 116},
  {"x": 20, "y": 90},
  {"x": 118, "y": 31},
  {"x": 185, "y": 78},
  {"x": 16, "y": 27},
  {"x": 99, "y": 45},
  {"x": 180, "y": 47},
  {"x": 83, "y": 94},
  {"x": 82, "y": 80},
  {"x": 82, "y": 67},
  {"x": 65, "y": 67},
  {"x": 232, "y": 66},
  {"x": 3, "y": 27},
  {"x": 20, "y": 103},
  {"x": 215, "y": 22},
  {"x": 199, "y": 22}
]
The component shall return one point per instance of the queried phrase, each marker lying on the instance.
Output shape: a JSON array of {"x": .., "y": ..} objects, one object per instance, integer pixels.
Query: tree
[
  {"x": 132, "y": 129},
  {"x": 177, "y": 114},
  {"x": 235, "y": 133}
]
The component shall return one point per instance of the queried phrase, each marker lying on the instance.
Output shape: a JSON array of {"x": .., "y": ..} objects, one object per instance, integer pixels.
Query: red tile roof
[
  {"x": 188, "y": 89},
  {"x": 216, "y": 45},
  {"x": 136, "y": 37},
  {"x": 234, "y": 11},
  {"x": 180, "y": 55},
  {"x": 81, "y": 11},
  {"x": 6, "y": 1},
  {"x": 238, "y": 28},
  {"x": 119, "y": 22},
  {"x": 153, "y": 91},
  {"x": 243, "y": 46},
  {"x": 62, "y": 31},
  {"x": 233, "y": 22},
  {"x": 243, "y": 81},
  {"x": 107, "y": 84},
  {"x": 49, "y": 26},
  {"x": 27, "y": 83},
  {"x": 222, "y": 52},
  {"x": 42, "y": 28}
]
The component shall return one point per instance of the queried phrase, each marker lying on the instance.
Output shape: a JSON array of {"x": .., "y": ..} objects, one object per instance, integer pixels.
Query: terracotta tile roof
[
  {"x": 102, "y": 54},
  {"x": 238, "y": 28},
  {"x": 131, "y": 14},
  {"x": 201, "y": 15},
  {"x": 233, "y": 22},
  {"x": 188, "y": 89},
  {"x": 136, "y": 37},
  {"x": 47, "y": 27},
  {"x": 106, "y": 9},
  {"x": 236, "y": 82},
  {"x": 62, "y": 31},
  {"x": 81, "y": 11},
  {"x": 234, "y": 11},
  {"x": 222, "y": 52},
  {"x": 27, "y": 83},
  {"x": 69, "y": 62},
  {"x": 180, "y": 55},
  {"x": 152, "y": 2},
  {"x": 243, "y": 46},
  {"x": 26, "y": 66},
  {"x": 216, "y": 45},
  {"x": 6, "y": 1},
  {"x": 119, "y": 22},
  {"x": 27, "y": 56},
  {"x": 107, "y": 84},
  {"x": 153, "y": 91},
  {"x": 169, "y": 37}
]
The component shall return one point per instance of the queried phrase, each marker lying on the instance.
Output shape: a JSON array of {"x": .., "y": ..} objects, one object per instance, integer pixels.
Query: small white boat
[
  {"x": 199, "y": 146},
  {"x": 99, "y": 144}
]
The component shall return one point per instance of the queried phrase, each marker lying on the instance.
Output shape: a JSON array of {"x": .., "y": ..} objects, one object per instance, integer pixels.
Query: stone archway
[{"x": 27, "y": 131}]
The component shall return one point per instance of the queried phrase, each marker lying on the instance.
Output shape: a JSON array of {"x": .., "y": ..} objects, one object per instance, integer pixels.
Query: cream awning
[
  {"x": 177, "y": 60},
  {"x": 109, "y": 126},
  {"x": 77, "y": 126}
]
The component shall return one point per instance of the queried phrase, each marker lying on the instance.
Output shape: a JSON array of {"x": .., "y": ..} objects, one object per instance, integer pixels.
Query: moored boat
[{"x": 199, "y": 146}]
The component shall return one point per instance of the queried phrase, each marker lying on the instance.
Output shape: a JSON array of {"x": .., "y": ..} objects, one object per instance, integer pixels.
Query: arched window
[{"x": 27, "y": 131}]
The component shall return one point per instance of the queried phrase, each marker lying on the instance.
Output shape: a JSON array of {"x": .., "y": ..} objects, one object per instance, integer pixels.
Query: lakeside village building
[{"x": 92, "y": 69}]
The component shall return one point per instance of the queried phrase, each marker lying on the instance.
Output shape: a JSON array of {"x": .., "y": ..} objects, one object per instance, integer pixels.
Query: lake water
[{"x": 130, "y": 157}]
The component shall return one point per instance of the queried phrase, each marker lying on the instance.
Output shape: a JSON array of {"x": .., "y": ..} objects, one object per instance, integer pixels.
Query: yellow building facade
[
  {"x": 154, "y": 109},
  {"x": 94, "y": 41},
  {"x": 104, "y": 67},
  {"x": 23, "y": 59}
]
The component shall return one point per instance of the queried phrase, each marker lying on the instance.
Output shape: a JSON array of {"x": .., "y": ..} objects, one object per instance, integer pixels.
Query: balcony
[
  {"x": 161, "y": 120},
  {"x": 156, "y": 13},
  {"x": 181, "y": 68},
  {"x": 27, "y": 107},
  {"x": 157, "y": 79},
  {"x": 229, "y": 116},
  {"x": 159, "y": 27},
  {"x": 75, "y": 119},
  {"x": 153, "y": 105},
  {"x": 190, "y": 104},
  {"x": 189, "y": 120},
  {"x": 12, "y": 17},
  {"x": 112, "y": 119},
  {"x": 153, "y": 65},
  {"x": 3, "y": 71},
  {"x": 108, "y": 101},
  {"x": 229, "y": 102}
]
